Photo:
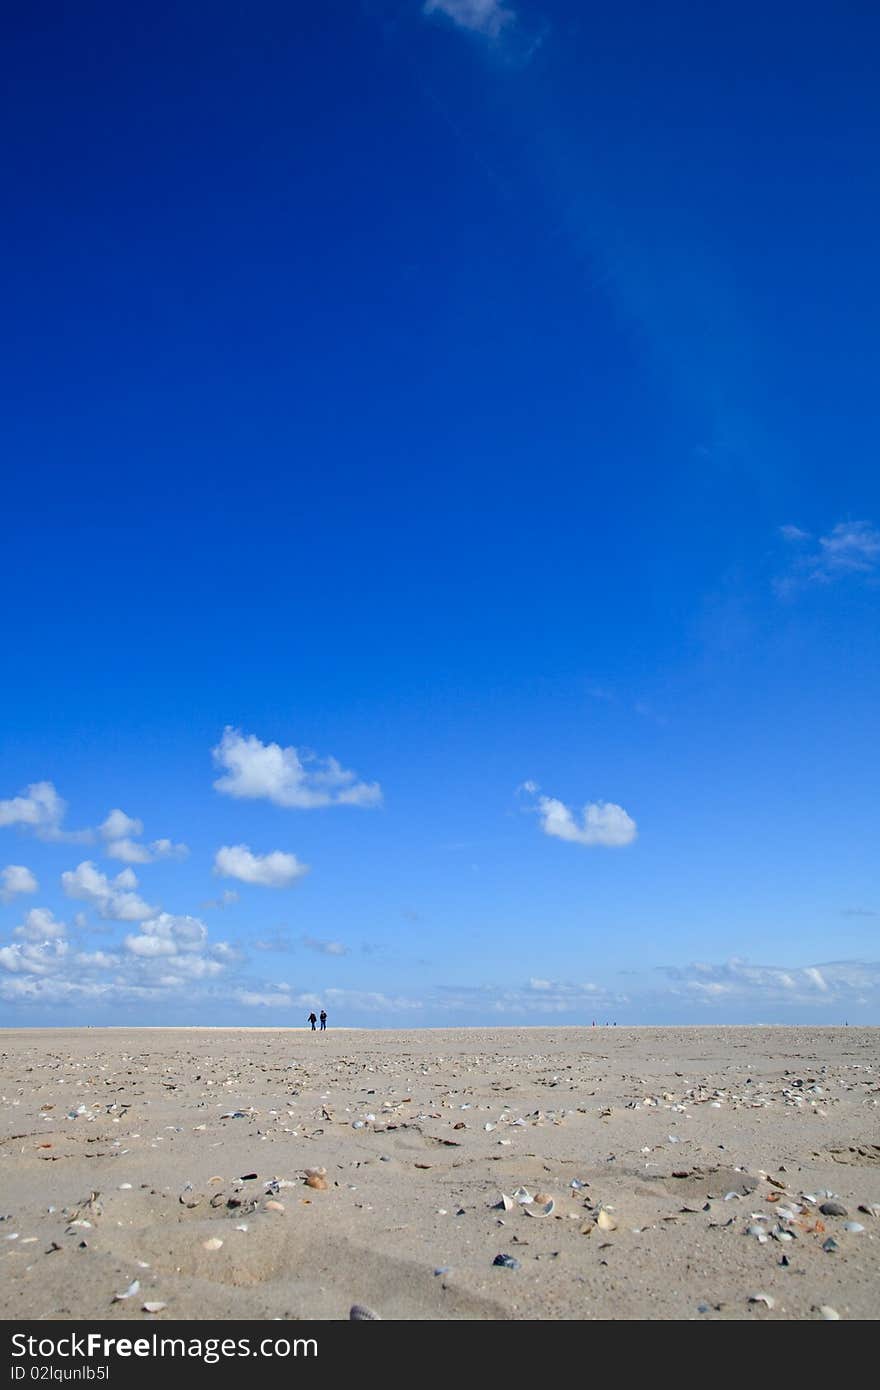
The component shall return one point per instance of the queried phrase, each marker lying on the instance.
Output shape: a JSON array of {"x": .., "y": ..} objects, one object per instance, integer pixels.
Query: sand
[{"x": 419, "y": 1137}]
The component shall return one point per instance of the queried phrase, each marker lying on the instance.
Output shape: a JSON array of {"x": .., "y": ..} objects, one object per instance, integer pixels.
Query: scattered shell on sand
[
  {"x": 870, "y": 1208},
  {"x": 274, "y": 1206},
  {"x": 317, "y": 1182},
  {"x": 833, "y": 1209},
  {"x": 854, "y": 1226},
  {"x": 154, "y": 1307},
  {"x": 213, "y": 1244},
  {"x": 605, "y": 1221},
  {"x": 506, "y": 1203},
  {"x": 506, "y": 1262},
  {"x": 762, "y": 1298},
  {"x": 130, "y": 1292},
  {"x": 828, "y": 1313},
  {"x": 542, "y": 1206},
  {"x": 359, "y": 1313},
  {"x": 523, "y": 1196}
]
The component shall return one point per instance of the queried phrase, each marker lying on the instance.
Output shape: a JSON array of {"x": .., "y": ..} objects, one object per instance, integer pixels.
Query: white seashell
[
  {"x": 523, "y": 1196},
  {"x": 870, "y": 1208},
  {"x": 829, "y": 1314},
  {"x": 854, "y": 1226},
  {"x": 605, "y": 1221},
  {"x": 130, "y": 1292},
  {"x": 506, "y": 1203},
  {"x": 762, "y": 1298},
  {"x": 154, "y": 1307},
  {"x": 213, "y": 1244},
  {"x": 539, "y": 1208}
]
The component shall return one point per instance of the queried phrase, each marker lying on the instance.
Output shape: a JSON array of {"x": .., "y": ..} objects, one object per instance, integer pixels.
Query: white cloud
[
  {"x": 325, "y": 948},
  {"x": 169, "y": 956},
  {"x": 15, "y": 879},
  {"x": 286, "y": 776},
  {"x": 165, "y": 849},
  {"x": 40, "y": 925},
  {"x": 275, "y": 870},
  {"x": 851, "y": 547},
  {"x": 131, "y": 852},
  {"x": 118, "y": 826},
  {"x": 34, "y": 958},
  {"x": 111, "y": 897},
  {"x": 39, "y": 808},
  {"x": 168, "y": 935},
  {"x": 489, "y": 17},
  {"x": 739, "y": 983},
  {"x": 604, "y": 823},
  {"x": 270, "y": 999}
]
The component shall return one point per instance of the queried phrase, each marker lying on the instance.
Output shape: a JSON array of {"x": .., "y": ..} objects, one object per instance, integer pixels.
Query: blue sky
[{"x": 442, "y": 546}]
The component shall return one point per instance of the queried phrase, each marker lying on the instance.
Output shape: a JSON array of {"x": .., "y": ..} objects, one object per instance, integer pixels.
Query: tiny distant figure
[
  {"x": 312, "y": 1020},
  {"x": 323, "y": 1020}
]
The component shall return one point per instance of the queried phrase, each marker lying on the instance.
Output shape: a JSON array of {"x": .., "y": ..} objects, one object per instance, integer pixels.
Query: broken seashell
[
  {"x": 154, "y": 1307},
  {"x": 274, "y": 1206},
  {"x": 542, "y": 1206},
  {"x": 854, "y": 1226},
  {"x": 130, "y": 1292},
  {"x": 762, "y": 1298},
  {"x": 828, "y": 1313},
  {"x": 506, "y": 1203},
  {"x": 523, "y": 1196},
  {"x": 315, "y": 1172},
  {"x": 605, "y": 1221},
  {"x": 316, "y": 1181},
  {"x": 213, "y": 1244},
  {"x": 870, "y": 1208}
]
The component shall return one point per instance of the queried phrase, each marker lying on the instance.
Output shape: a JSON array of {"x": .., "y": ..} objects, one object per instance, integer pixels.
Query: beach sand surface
[{"x": 127, "y": 1154}]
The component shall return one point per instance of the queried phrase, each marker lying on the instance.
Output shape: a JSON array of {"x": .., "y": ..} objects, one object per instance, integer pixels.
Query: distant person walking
[
  {"x": 323, "y": 1021},
  {"x": 312, "y": 1020}
]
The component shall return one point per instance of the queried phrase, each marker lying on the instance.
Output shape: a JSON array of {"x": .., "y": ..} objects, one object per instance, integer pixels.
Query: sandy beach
[{"x": 284, "y": 1174}]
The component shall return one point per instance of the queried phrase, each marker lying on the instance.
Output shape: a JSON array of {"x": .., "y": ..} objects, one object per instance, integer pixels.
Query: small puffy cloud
[
  {"x": 168, "y": 935},
  {"x": 40, "y": 809},
  {"x": 118, "y": 826},
  {"x": 602, "y": 823},
  {"x": 132, "y": 852},
  {"x": 165, "y": 849},
  {"x": 794, "y": 533},
  {"x": 112, "y": 897},
  {"x": 40, "y": 925},
  {"x": 286, "y": 776},
  {"x": 129, "y": 851},
  {"x": 14, "y": 879},
  {"x": 488, "y": 17},
  {"x": 325, "y": 948},
  {"x": 275, "y": 870},
  {"x": 34, "y": 958}
]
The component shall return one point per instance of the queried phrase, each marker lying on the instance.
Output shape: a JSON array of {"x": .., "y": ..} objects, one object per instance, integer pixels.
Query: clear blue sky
[{"x": 472, "y": 408}]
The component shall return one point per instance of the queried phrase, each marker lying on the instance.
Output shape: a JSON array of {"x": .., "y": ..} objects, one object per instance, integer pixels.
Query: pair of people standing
[{"x": 313, "y": 1020}]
